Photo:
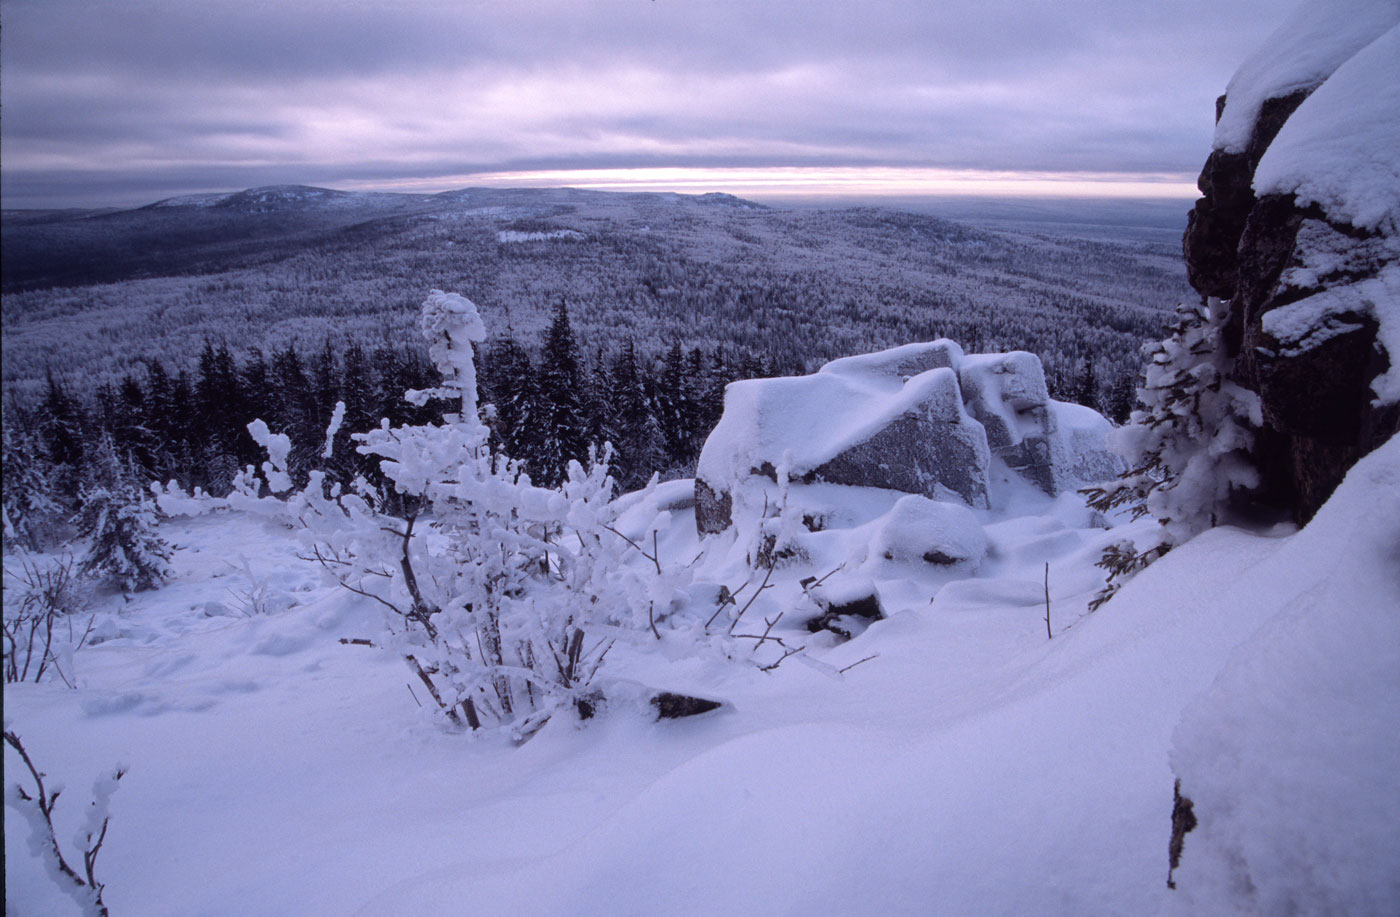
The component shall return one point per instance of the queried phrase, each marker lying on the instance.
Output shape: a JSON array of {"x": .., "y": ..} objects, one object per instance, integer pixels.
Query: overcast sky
[{"x": 124, "y": 102}]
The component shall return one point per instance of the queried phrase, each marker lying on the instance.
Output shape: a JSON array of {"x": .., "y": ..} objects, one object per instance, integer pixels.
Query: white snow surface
[
  {"x": 971, "y": 766},
  {"x": 1303, "y": 52},
  {"x": 1341, "y": 148},
  {"x": 507, "y": 236},
  {"x": 918, "y": 526},
  {"x": 1292, "y": 756}
]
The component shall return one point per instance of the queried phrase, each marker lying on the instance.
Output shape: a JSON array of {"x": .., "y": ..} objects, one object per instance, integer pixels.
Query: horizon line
[
  {"x": 820, "y": 181},
  {"x": 775, "y": 183}
]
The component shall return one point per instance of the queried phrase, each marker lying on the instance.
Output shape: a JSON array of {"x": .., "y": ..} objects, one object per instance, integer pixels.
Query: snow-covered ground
[{"x": 972, "y": 766}]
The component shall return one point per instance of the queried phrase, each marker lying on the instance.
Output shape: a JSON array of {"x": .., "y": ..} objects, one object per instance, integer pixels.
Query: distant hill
[{"x": 91, "y": 292}]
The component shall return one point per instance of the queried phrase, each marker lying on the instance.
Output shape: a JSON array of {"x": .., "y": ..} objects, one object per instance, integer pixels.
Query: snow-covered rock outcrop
[
  {"x": 920, "y": 419},
  {"x": 1299, "y": 228},
  {"x": 1290, "y": 758}
]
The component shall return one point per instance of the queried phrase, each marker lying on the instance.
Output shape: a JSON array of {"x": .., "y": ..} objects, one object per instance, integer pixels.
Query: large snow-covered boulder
[
  {"x": 1299, "y": 228},
  {"x": 920, "y": 419}
]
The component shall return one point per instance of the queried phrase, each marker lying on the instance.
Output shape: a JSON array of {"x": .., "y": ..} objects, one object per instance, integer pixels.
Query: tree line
[{"x": 547, "y": 405}]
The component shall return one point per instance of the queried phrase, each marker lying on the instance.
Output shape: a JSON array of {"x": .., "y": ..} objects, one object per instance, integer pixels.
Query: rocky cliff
[{"x": 1297, "y": 228}]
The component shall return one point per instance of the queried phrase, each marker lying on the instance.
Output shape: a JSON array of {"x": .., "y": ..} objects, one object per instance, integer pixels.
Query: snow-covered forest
[
  {"x": 559, "y": 552},
  {"x": 88, "y": 297}
]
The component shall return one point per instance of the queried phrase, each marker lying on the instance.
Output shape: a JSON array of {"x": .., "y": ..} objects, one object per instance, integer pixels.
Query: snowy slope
[{"x": 971, "y": 767}]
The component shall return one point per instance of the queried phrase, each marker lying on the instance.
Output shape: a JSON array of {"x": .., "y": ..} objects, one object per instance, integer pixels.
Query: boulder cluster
[{"x": 922, "y": 419}]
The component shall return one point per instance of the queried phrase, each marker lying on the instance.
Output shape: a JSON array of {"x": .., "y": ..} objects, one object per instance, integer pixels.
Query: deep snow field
[{"x": 971, "y": 767}]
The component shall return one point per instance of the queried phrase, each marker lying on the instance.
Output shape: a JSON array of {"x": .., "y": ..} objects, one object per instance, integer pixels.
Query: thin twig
[
  {"x": 856, "y": 663},
  {"x": 786, "y": 653},
  {"x": 1048, "y": 635},
  {"x": 769, "y": 629},
  {"x": 757, "y": 593}
]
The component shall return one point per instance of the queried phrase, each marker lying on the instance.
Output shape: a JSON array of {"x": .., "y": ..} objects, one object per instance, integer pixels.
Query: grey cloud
[{"x": 225, "y": 94}]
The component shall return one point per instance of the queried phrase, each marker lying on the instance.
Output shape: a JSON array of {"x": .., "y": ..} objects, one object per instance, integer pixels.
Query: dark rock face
[
  {"x": 1217, "y": 222},
  {"x": 672, "y": 706},
  {"x": 1183, "y": 822},
  {"x": 915, "y": 455},
  {"x": 1268, "y": 254},
  {"x": 713, "y": 511},
  {"x": 848, "y": 616}
]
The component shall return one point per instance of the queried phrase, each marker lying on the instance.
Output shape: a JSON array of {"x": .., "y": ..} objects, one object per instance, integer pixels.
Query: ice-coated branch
[{"x": 37, "y": 810}]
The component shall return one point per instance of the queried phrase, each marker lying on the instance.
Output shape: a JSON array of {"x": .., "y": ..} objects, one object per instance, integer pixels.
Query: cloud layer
[{"x": 123, "y": 102}]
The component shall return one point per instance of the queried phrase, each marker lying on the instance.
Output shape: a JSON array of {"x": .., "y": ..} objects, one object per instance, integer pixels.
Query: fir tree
[
  {"x": 1087, "y": 392},
  {"x": 631, "y": 426},
  {"x": 1188, "y": 448},
  {"x": 513, "y": 387},
  {"x": 119, "y": 519},
  {"x": 358, "y": 390},
  {"x": 29, "y": 505},
  {"x": 326, "y": 380},
  {"x": 563, "y": 424},
  {"x": 295, "y": 411},
  {"x": 673, "y": 407},
  {"x": 62, "y": 434}
]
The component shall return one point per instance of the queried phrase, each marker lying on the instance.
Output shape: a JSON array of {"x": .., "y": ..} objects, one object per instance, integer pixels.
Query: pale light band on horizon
[{"x": 824, "y": 181}]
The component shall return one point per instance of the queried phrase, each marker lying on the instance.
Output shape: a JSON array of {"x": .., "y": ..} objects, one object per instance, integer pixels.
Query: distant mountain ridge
[{"x": 260, "y": 266}]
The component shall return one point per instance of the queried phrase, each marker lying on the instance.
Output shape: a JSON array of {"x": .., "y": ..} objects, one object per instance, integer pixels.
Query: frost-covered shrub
[
  {"x": 37, "y": 808},
  {"x": 41, "y": 600},
  {"x": 500, "y": 595},
  {"x": 1188, "y": 448}
]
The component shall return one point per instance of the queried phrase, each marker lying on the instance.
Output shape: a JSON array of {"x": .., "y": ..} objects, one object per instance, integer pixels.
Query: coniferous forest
[{"x": 618, "y": 319}]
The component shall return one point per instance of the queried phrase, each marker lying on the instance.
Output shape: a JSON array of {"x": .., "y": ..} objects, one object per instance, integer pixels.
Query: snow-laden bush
[
  {"x": 502, "y": 597},
  {"x": 1188, "y": 447}
]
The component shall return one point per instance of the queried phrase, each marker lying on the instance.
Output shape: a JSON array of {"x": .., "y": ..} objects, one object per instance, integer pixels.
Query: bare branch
[
  {"x": 856, "y": 663},
  {"x": 762, "y": 586},
  {"x": 769, "y": 629}
]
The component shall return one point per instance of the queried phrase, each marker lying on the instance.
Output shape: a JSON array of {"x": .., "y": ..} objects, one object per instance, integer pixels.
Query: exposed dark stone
[
  {"x": 1265, "y": 249},
  {"x": 672, "y": 706},
  {"x": 1183, "y": 822},
  {"x": 867, "y": 606},
  {"x": 841, "y": 617},
  {"x": 1313, "y": 393},
  {"x": 1216, "y": 223},
  {"x": 915, "y": 454},
  {"x": 588, "y": 706},
  {"x": 1273, "y": 114},
  {"x": 713, "y": 510},
  {"x": 938, "y": 557}
]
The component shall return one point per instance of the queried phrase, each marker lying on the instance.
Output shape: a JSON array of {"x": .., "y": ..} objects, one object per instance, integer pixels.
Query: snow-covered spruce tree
[
  {"x": 29, "y": 506},
  {"x": 501, "y": 596},
  {"x": 119, "y": 520},
  {"x": 631, "y": 427},
  {"x": 563, "y": 421},
  {"x": 1188, "y": 448}
]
